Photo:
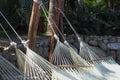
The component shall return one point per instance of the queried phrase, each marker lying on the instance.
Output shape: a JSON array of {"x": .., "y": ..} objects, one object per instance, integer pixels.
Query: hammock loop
[
  {"x": 56, "y": 37},
  {"x": 25, "y": 42},
  {"x": 13, "y": 44},
  {"x": 79, "y": 38},
  {"x": 37, "y": 1},
  {"x": 65, "y": 42}
]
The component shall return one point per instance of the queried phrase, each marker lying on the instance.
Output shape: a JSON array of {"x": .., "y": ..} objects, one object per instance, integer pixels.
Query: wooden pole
[
  {"x": 57, "y": 18},
  {"x": 51, "y": 19},
  {"x": 33, "y": 25}
]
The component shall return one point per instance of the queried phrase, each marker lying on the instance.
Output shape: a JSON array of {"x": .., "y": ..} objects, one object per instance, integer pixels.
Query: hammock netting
[
  {"x": 107, "y": 65},
  {"x": 66, "y": 64},
  {"x": 9, "y": 72},
  {"x": 38, "y": 68}
]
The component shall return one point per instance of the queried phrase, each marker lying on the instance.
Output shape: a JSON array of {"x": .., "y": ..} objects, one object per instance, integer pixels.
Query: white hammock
[
  {"x": 37, "y": 68},
  {"x": 66, "y": 58},
  {"x": 108, "y": 67},
  {"x": 9, "y": 72}
]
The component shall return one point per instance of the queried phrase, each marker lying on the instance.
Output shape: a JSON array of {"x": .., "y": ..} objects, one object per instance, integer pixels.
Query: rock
[
  {"x": 112, "y": 39},
  {"x": 41, "y": 43},
  {"x": 93, "y": 43},
  {"x": 13, "y": 56},
  {"x": 118, "y": 55},
  {"x": 105, "y": 41},
  {"x": 87, "y": 39},
  {"x": 71, "y": 36},
  {"x": 41, "y": 50},
  {"x": 113, "y": 46},
  {"x": 118, "y": 39},
  {"x": 70, "y": 40},
  {"x": 103, "y": 46},
  {"x": 46, "y": 42},
  {"x": 77, "y": 44},
  {"x": 45, "y": 51},
  {"x": 95, "y": 38},
  {"x": 99, "y": 52},
  {"x": 100, "y": 38}
]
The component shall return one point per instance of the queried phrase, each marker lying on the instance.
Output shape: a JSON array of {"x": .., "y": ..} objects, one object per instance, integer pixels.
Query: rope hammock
[
  {"x": 107, "y": 66},
  {"x": 9, "y": 72},
  {"x": 64, "y": 55},
  {"x": 69, "y": 65},
  {"x": 36, "y": 67}
]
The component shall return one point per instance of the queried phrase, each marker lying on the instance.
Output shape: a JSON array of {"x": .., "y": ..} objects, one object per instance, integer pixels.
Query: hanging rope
[
  {"x": 6, "y": 33},
  {"x": 68, "y": 23},
  {"x": 10, "y": 26}
]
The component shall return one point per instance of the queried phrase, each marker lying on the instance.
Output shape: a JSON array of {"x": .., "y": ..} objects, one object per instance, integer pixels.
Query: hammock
[
  {"x": 67, "y": 59},
  {"x": 34, "y": 66},
  {"x": 38, "y": 68},
  {"x": 64, "y": 55},
  {"x": 78, "y": 73},
  {"x": 107, "y": 66},
  {"x": 9, "y": 72}
]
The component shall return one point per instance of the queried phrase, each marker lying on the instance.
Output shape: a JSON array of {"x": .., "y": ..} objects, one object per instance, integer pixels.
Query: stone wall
[{"x": 109, "y": 45}]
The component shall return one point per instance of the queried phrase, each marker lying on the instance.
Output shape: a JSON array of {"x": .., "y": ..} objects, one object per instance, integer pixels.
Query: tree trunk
[
  {"x": 50, "y": 17},
  {"x": 58, "y": 20},
  {"x": 33, "y": 25},
  {"x": 58, "y": 15},
  {"x": 50, "y": 23}
]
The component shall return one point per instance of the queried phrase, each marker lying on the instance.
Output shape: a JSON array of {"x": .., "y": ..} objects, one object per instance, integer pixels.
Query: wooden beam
[{"x": 33, "y": 25}]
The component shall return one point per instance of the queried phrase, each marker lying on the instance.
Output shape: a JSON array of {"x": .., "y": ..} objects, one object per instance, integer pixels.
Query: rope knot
[
  {"x": 37, "y": 1},
  {"x": 24, "y": 42},
  {"x": 56, "y": 37},
  {"x": 65, "y": 42},
  {"x": 13, "y": 44},
  {"x": 79, "y": 38}
]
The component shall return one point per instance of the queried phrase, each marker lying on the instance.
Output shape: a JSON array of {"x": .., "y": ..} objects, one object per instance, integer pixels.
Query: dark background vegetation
[{"x": 91, "y": 17}]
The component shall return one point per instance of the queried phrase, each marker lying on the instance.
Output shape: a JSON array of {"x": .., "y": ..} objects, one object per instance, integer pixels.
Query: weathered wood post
[
  {"x": 33, "y": 25},
  {"x": 56, "y": 16},
  {"x": 51, "y": 19},
  {"x": 59, "y": 6}
]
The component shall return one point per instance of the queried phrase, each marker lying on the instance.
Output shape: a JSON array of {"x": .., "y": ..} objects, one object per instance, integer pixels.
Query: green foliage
[{"x": 94, "y": 17}]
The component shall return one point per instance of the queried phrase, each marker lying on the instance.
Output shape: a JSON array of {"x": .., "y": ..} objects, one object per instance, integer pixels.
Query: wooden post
[
  {"x": 51, "y": 19},
  {"x": 33, "y": 25},
  {"x": 58, "y": 16}
]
